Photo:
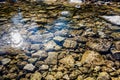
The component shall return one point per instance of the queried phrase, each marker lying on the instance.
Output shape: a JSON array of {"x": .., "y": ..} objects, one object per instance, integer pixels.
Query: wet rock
[
  {"x": 59, "y": 75},
  {"x": 101, "y": 45},
  {"x": 43, "y": 67},
  {"x": 51, "y": 45},
  {"x": 59, "y": 38},
  {"x": 115, "y": 35},
  {"x": 92, "y": 57},
  {"x": 36, "y": 76},
  {"x": 80, "y": 77},
  {"x": 62, "y": 32},
  {"x": 113, "y": 19},
  {"x": 5, "y": 61},
  {"x": 40, "y": 54},
  {"x": 68, "y": 43},
  {"x": 68, "y": 61},
  {"x": 74, "y": 74},
  {"x": 88, "y": 33},
  {"x": 52, "y": 58},
  {"x": 39, "y": 63},
  {"x": 81, "y": 39},
  {"x": 115, "y": 50},
  {"x": 50, "y": 77},
  {"x": 76, "y": 1},
  {"x": 103, "y": 76},
  {"x": 11, "y": 75},
  {"x": 115, "y": 53},
  {"x": 35, "y": 46},
  {"x": 65, "y": 13},
  {"x": 21, "y": 64},
  {"x": 29, "y": 67},
  {"x": 66, "y": 77},
  {"x": 32, "y": 60},
  {"x": 89, "y": 78}
]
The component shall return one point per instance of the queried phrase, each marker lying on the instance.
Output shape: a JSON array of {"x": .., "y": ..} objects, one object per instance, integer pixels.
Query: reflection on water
[
  {"x": 25, "y": 35},
  {"x": 16, "y": 39}
]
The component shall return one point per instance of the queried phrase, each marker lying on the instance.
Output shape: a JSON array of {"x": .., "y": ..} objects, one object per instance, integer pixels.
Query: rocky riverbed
[{"x": 59, "y": 41}]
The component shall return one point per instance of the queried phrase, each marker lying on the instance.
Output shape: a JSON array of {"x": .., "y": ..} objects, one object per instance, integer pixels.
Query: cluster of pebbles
[{"x": 64, "y": 48}]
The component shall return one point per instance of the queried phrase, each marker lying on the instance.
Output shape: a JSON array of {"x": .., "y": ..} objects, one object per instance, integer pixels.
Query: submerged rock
[
  {"x": 92, "y": 57},
  {"x": 101, "y": 45},
  {"x": 68, "y": 61},
  {"x": 29, "y": 67},
  {"x": 113, "y": 19},
  {"x": 68, "y": 43},
  {"x": 51, "y": 45},
  {"x": 103, "y": 76},
  {"x": 36, "y": 76},
  {"x": 115, "y": 50},
  {"x": 5, "y": 61},
  {"x": 52, "y": 58}
]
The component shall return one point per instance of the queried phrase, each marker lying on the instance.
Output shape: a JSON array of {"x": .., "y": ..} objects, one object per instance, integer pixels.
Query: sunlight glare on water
[{"x": 16, "y": 39}]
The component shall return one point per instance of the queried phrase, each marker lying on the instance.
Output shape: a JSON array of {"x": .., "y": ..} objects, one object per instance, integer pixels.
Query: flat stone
[
  {"x": 44, "y": 67},
  {"x": 75, "y": 1},
  {"x": 5, "y": 61},
  {"x": 32, "y": 60},
  {"x": 35, "y": 46},
  {"x": 68, "y": 43},
  {"x": 59, "y": 38},
  {"x": 101, "y": 45},
  {"x": 29, "y": 67},
  {"x": 113, "y": 19},
  {"x": 51, "y": 45},
  {"x": 52, "y": 58},
  {"x": 40, "y": 54}
]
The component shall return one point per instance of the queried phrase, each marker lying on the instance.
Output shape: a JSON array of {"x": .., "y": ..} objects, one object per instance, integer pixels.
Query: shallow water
[{"x": 58, "y": 41}]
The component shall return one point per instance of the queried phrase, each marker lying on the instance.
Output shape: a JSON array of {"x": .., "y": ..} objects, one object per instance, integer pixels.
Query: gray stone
[
  {"x": 65, "y": 13},
  {"x": 40, "y": 54},
  {"x": 75, "y": 1},
  {"x": 35, "y": 46},
  {"x": 51, "y": 45},
  {"x": 52, "y": 58},
  {"x": 68, "y": 43},
  {"x": 5, "y": 61},
  {"x": 59, "y": 38},
  {"x": 29, "y": 67},
  {"x": 113, "y": 19},
  {"x": 44, "y": 67}
]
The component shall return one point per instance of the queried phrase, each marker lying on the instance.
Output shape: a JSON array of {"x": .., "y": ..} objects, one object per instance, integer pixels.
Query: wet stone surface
[{"x": 59, "y": 40}]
